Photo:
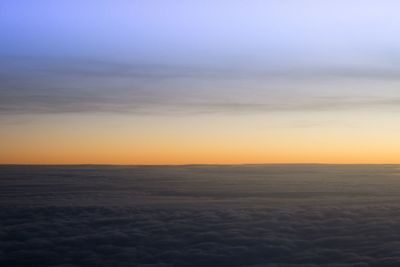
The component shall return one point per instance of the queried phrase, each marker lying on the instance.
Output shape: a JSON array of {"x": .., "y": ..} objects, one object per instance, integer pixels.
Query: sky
[{"x": 193, "y": 82}]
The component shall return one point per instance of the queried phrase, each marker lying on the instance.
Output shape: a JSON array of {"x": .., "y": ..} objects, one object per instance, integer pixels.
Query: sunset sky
[{"x": 187, "y": 82}]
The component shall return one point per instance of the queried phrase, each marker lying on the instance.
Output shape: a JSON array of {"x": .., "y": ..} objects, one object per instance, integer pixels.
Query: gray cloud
[{"x": 77, "y": 86}]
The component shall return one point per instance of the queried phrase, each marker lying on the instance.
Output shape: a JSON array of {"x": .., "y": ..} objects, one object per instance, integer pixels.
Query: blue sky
[
  {"x": 268, "y": 33},
  {"x": 198, "y": 56}
]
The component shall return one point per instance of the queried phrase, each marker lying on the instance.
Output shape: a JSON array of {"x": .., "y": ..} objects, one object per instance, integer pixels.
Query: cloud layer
[
  {"x": 255, "y": 215},
  {"x": 79, "y": 86},
  {"x": 334, "y": 236}
]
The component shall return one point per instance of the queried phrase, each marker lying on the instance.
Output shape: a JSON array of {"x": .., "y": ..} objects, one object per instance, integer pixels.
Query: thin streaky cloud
[{"x": 90, "y": 86}]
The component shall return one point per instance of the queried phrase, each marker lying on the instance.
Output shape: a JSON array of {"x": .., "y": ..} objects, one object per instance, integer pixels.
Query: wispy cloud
[{"x": 30, "y": 85}]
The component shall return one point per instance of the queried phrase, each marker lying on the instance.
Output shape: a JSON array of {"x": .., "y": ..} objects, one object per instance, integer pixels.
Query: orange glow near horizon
[{"x": 198, "y": 140}]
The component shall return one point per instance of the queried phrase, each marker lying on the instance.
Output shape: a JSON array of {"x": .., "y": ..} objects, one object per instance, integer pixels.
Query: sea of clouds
[{"x": 168, "y": 216}]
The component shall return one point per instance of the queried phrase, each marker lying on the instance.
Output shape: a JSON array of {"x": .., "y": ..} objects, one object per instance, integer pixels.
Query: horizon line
[{"x": 188, "y": 164}]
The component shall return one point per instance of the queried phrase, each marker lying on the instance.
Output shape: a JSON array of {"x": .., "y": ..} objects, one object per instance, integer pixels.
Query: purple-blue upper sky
[
  {"x": 270, "y": 33},
  {"x": 206, "y": 56}
]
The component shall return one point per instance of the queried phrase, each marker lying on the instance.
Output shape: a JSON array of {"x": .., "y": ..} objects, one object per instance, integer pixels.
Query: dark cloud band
[{"x": 76, "y": 86}]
